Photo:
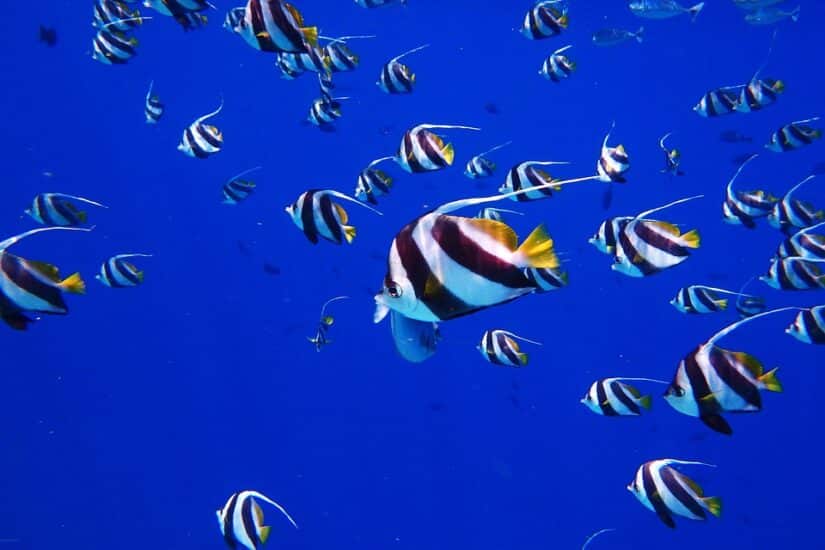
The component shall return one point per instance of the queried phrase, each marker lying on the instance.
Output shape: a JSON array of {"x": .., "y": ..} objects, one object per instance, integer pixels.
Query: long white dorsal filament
[
  {"x": 17, "y": 238},
  {"x": 350, "y": 199},
  {"x": 75, "y": 197},
  {"x": 397, "y": 57},
  {"x": 245, "y": 172},
  {"x": 517, "y": 337},
  {"x": 668, "y": 205},
  {"x": 733, "y": 326},
  {"x": 739, "y": 170}
]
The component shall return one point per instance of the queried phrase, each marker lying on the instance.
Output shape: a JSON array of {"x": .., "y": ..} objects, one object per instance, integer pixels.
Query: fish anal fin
[
  {"x": 665, "y": 516},
  {"x": 499, "y": 231},
  {"x": 716, "y": 423}
]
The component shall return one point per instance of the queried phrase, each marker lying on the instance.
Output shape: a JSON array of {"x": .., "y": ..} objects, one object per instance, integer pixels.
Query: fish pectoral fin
[
  {"x": 265, "y": 530},
  {"x": 537, "y": 250},
  {"x": 716, "y": 423},
  {"x": 262, "y": 34},
  {"x": 73, "y": 284},
  {"x": 432, "y": 286}
]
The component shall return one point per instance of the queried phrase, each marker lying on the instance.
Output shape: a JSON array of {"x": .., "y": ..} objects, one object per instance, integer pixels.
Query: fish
[
  {"x": 490, "y": 213},
  {"x": 415, "y": 341},
  {"x": 236, "y": 190},
  {"x": 809, "y": 326},
  {"x": 803, "y": 245},
  {"x": 666, "y": 491},
  {"x": 234, "y": 19},
  {"x": 325, "y": 111},
  {"x": 271, "y": 269},
  {"x": 718, "y": 102},
  {"x": 276, "y": 26},
  {"x": 771, "y": 15},
  {"x": 663, "y": 9},
  {"x": 112, "y": 47},
  {"x": 153, "y": 108},
  {"x": 606, "y": 237},
  {"x": 613, "y": 37},
  {"x": 175, "y": 8},
  {"x": 745, "y": 207},
  {"x": 646, "y": 247},
  {"x": 201, "y": 140},
  {"x": 372, "y": 182},
  {"x": 612, "y": 397},
  {"x": 589, "y": 539},
  {"x": 613, "y": 161},
  {"x": 116, "y": 272},
  {"x": 557, "y": 66},
  {"x": 293, "y": 64},
  {"x": 397, "y": 78},
  {"x": 500, "y": 347},
  {"x": 701, "y": 299},
  {"x": 546, "y": 279},
  {"x": 191, "y": 21},
  {"x": 28, "y": 286},
  {"x": 480, "y": 166},
  {"x": 711, "y": 380},
  {"x": 545, "y": 20},
  {"x": 748, "y": 305},
  {"x": 424, "y": 151},
  {"x": 241, "y": 520},
  {"x": 673, "y": 158},
  {"x": 759, "y": 93},
  {"x": 115, "y": 14},
  {"x": 314, "y": 213},
  {"x": 533, "y": 181},
  {"x": 56, "y": 209},
  {"x": 789, "y": 214},
  {"x": 48, "y": 36},
  {"x": 340, "y": 57},
  {"x": 793, "y": 136},
  {"x": 733, "y": 136},
  {"x": 377, "y": 3},
  {"x": 795, "y": 274},
  {"x": 320, "y": 339}
]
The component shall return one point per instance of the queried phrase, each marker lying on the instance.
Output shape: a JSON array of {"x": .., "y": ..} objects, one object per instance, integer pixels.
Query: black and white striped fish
[
  {"x": 795, "y": 274},
  {"x": 234, "y": 19},
  {"x": 607, "y": 236},
  {"x": 378, "y": 3},
  {"x": 113, "y": 47},
  {"x": 758, "y": 94},
  {"x": 372, "y": 182},
  {"x": 557, "y": 66},
  {"x": 117, "y": 272},
  {"x": 789, "y": 214},
  {"x": 701, "y": 299},
  {"x": 673, "y": 158},
  {"x": 325, "y": 111},
  {"x": 175, "y": 8},
  {"x": 718, "y": 102},
  {"x": 241, "y": 520},
  {"x": 314, "y": 213},
  {"x": 397, "y": 78},
  {"x": 667, "y": 492},
  {"x": 500, "y": 347},
  {"x": 275, "y": 26},
  {"x": 201, "y": 140},
  {"x": 524, "y": 176},
  {"x": 153, "y": 108},
  {"x": 114, "y": 14},
  {"x": 28, "y": 286},
  {"x": 711, "y": 380},
  {"x": 490, "y": 213},
  {"x": 804, "y": 245},
  {"x": 480, "y": 166},
  {"x": 745, "y": 207},
  {"x": 545, "y": 20},
  {"x": 645, "y": 247},
  {"x": 612, "y": 397},
  {"x": 190, "y": 21},
  {"x": 424, "y": 151},
  {"x": 56, "y": 209},
  {"x": 748, "y": 305},
  {"x": 613, "y": 162},
  {"x": 809, "y": 326},
  {"x": 546, "y": 279},
  {"x": 341, "y": 58},
  {"x": 793, "y": 136},
  {"x": 313, "y": 60},
  {"x": 236, "y": 189}
]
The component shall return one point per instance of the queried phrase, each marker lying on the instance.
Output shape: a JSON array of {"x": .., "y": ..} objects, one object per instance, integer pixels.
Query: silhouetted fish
[
  {"x": 733, "y": 136},
  {"x": 491, "y": 108},
  {"x": 243, "y": 248},
  {"x": 271, "y": 269},
  {"x": 48, "y": 36}
]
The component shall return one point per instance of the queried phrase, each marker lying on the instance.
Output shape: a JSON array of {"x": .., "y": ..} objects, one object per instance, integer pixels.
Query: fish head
[
  {"x": 678, "y": 394},
  {"x": 219, "y": 514},
  {"x": 588, "y": 402},
  {"x": 396, "y": 295}
]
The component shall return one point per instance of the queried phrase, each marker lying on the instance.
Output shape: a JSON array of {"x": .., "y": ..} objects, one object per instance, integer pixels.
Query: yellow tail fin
[
  {"x": 74, "y": 284},
  {"x": 265, "y": 529},
  {"x": 771, "y": 381},
  {"x": 448, "y": 153},
  {"x": 349, "y": 233},
  {"x": 311, "y": 35},
  {"x": 714, "y": 505},
  {"x": 537, "y": 250},
  {"x": 522, "y": 358},
  {"x": 722, "y": 304},
  {"x": 691, "y": 239},
  {"x": 644, "y": 401}
]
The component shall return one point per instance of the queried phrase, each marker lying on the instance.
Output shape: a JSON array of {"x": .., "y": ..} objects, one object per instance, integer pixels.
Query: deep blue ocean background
[{"x": 127, "y": 423}]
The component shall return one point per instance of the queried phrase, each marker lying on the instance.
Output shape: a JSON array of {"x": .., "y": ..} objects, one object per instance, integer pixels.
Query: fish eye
[
  {"x": 676, "y": 390},
  {"x": 394, "y": 290}
]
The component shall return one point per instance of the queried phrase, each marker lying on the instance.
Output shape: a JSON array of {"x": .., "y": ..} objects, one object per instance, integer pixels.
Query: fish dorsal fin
[
  {"x": 498, "y": 231},
  {"x": 739, "y": 170},
  {"x": 665, "y": 226},
  {"x": 748, "y": 361},
  {"x": 299, "y": 19},
  {"x": 512, "y": 343},
  {"x": 631, "y": 390},
  {"x": 689, "y": 482},
  {"x": 47, "y": 270},
  {"x": 342, "y": 214},
  {"x": 280, "y": 508},
  {"x": 797, "y": 186}
]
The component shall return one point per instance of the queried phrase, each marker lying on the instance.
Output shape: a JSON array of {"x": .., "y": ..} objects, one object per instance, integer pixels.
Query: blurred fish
[
  {"x": 748, "y": 305},
  {"x": 793, "y": 136},
  {"x": 718, "y": 102},
  {"x": 271, "y": 269},
  {"x": 340, "y": 57},
  {"x": 809, "y": 326},
  {"x": 607, "y": 197},
  {"x": 236, "y": 190},
  {"x": 500, "y": 347},
  {"x": 524, "y": 176},
  {"x": 612, "y": 37},
  {"x": 768, "y": 16},
  {"x": 241, "y": 520},
  {"x": 613, "y": 161},
  {"x": 175, "y": 8},
  {"x": 234, "y": 18},
  {"x": 397, "y": 78},
  {"x": 326, "y": 321},
  {"x": 293, "y": 64},
  {"x": 557, "y": 67},
  {"x": 754, "y": 4},
  {"x": 612, "y": 397},
  {"x": 48, "y": 36},
  {"x": 701, "y": 299},
  {"x": 190, "y": 21},
  {"x": 662, "y": 489},
  {"x": 115, "y": 14},
  {"x": 545, "y": 19},
  {"x": 494, "y": 214},
  {"x": 116, "y": 272},
  {"x": 201, "y": 140},
  {"x": 372, "y": 182},
  {"x": 745, "y": 207},
  {"x": 492, "y": 108},
  {"x": 803, "y": 245},
  {"x": 673, "y": 158},
  {"x": 480, "y": 166},
  {"x": 790, "y": 214},
  {"x": 113, "y": 47},
  {"x": 275, "y": 26},
  {"x": 663, "y": 9},
  {"x": 153, "y": 108},
  {"x": 795, "y": 274},
  {"x": 424, "y": 151},
  {"x": 734, "y": 136},
  {"x": 243, "y": 248},
  {"x": 314, "y": 213},
  {"x": 56, "y": 209}
]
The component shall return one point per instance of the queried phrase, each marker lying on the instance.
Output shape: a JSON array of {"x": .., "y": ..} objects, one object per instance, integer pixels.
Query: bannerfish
[
  {"x": 424, "y": 151},
  {"x": 789, "y": 214},
  {"x": 759, "y": 93},
  {"x": 795, "y": 273},
  {"x": 397, "y": 78},
  {"x": 241, "y": 520},
  {"x": 557, "y": 66},
  {"x": 116, "y": 14},
  {"x": 612, "y": 37},
  {"x": 236, "y": 190},
  {"x": 340, "y": 57},
  {"x": 201, "y": 140},
  {"x": 663, "y": 9},
  {"x": 718, "y": 102},
  {"x": 314, "y": 213},
  {"x": 803, "y": 244},
  {"x": 153, "y": 108},
  {"x": 480, "y": 166},
  {"x": 673, "y": 157},
  {"x": 490, "y": 213},
  {"x": 116, "y": 272},
  {"x": 524, "y": 176},
  {"x": 701, "y": 299},
  {"x": 276, "y": 26},
  {"x": 613, "y": 161},
  {"x": 500, "y": 347},
  {"x": 372, "y": 182},
  {"x": 174, "y": 8},
  {"x": 612, "y": 397},
  {"x": 56, "y": 209},
  {"x": 545, "y": 20},
  {"x": 793, "y": 136},
  {"x": 113, "y": 47},
  {"x": 607, "y": 236},
  {"x": 809, "y": 326},
  {"x": 771, "y": 15},
  {"x": 293, "y": 64},
  {"x": 745, "y": 207},
  {"x": 320, "y": 339},
  {"x": 190, "y": 21}
]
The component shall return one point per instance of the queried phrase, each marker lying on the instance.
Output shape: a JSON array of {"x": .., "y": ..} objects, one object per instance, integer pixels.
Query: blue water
[{"x": 127, "y": 423}]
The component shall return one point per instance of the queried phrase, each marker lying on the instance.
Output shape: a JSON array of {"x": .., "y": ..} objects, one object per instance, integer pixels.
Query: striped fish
[
  {"x": 234, "y": 19},
  {"x": 795, "y": 274},
  {"x": 612, "y": 397},
  {"x": 711, "y": 380},
  {"x": 748, "y": 305},
  {"x": 672, "y": 157},
  {"x": 789, "y": 214},
  {"x": 804, "y": 245},
  {"x": 480, "y": 166},
  {"x": 500, "y": 347},
  {"x": 494, "y": 214},
  {"x": 718, "y": 102},
  {"x": 545, "y": 20},
  {"x": 153, "y": 108},
  {"x": 314, "y": 213},
  {"x": 793, "y": 136},
  {"x": 313, "y": 60},
  {"x": 744, "y": 207},
  {"x": 115, "y": 14},
  {"x": 377, "y": 3},
  {"x": 236, "y": 189},
  {"x": 191, "y": 21},
  {"x": 116, "y": 272},
  {"x": 613, "y": 162},
  {"x": 809, "y": 326},
  {"x": 55, "y": 209},
  {"x": 607, "y": 236},
  {"x": 645, "y": 247},
  {"x": 557, "y": 67},
  {"x": 758, "y": 94},
  {"x": 664, "y": 490},
  {"x": 275, "y": 26},
  {"x": 27, "y": 286},
  {"x": 241, "y": 520},
  {"x": 341, "y": 58},
  {"x": 324, "y": 112},
  {"x": 546, "y": 279},
  {"x": 372, "y": 182},
  {"x": 320, "y": 339},
  {"x": 112, "y": 47},
  {"x": 201, "y": 140},
  {"x": 424, "y": 151},
  {"x": 701, "y": 299},
  {"x": 397, "y": 78},
  {"x": 524, "y": 176},
  {"x": 175, "y": 8}
]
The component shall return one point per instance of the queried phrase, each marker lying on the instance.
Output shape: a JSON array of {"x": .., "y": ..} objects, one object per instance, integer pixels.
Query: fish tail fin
[
  {"x": 449, "y": 153},
  {"x": 73, "y": 284},
  {"x": 692, "y": 239},
  {"x": 537, "y": 250},
  {"x": 645, "y": 402},
  {"x": 795, "y": 14},
  {"x": 770, "y": 381},
  {"x": 640, "y": 34},
  {"x": 311, "y": 35},
  {"x": 714, "y": 505},
  {"x": 522, "y": 358},
  {"x": 349, "y": 233},
  {"x": 722, "y": 304},
  {"x": 694, "y": 11},
  {"x": 265, "y": 530}
]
